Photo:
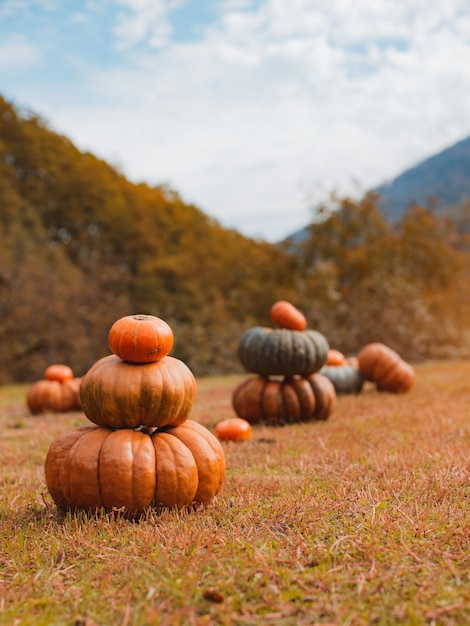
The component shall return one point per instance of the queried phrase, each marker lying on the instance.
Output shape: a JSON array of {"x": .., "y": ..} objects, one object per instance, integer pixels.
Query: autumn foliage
[{"x": 82, "y": 246}]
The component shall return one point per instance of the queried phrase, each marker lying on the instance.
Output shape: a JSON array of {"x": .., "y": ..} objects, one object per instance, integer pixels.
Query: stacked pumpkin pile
[
  {"x": 376, "y": 363},
  {"x": 142, "y": 449},
  {"x": 286, "y": 359},
  {"x": 58, "y": 392}
]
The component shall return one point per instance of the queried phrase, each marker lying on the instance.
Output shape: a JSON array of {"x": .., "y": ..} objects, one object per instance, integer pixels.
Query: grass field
[{"x": 362, "y": 519}]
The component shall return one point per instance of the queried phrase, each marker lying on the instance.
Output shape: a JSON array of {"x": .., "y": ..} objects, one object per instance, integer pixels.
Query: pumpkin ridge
[
  {"x": 290, "y": 402},
  {"x": 268, "y": 400},
  {"x": 56, "y": 454},
  {"x": 100, "y": 477},
  {"x": 170, "y": 398},
  {"x": 384, "y": 365},
  {"x": 269, "y": 350},
  {"x": 175, "y": 400},
  {"x": 185, "y": 400},
  {"x": 65, "y": 476},
  {"x": 296, "y": 355},
  {"x": 211, "y": 466},
  {"x": 76, "y": 466},
  {"x": 183, "y": 485},
  {"x": 306, "y": 397},
  {"x": 99, "y": 472},
  {"x": 141, "y": 475},
  {"x": 153, "y": 401},
  {"x": 320, "y": 347}
]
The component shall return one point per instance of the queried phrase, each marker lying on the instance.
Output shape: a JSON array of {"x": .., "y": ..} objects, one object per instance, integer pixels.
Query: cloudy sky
[{"x": 254, "y": 110}]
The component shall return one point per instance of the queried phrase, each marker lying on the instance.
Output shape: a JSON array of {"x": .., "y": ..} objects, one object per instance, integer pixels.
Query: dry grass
[{"x": 363, "y": 519}]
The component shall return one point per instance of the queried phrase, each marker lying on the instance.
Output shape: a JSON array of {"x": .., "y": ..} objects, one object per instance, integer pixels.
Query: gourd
[
  {"x": 143, "y": 450},
  {"x": 385, "y": 367},
  {"x": 346, "y": 378},
  {"x": 263, "y": 400},
  {"x": 286, "y": 315},
  {"x": 335, "y": 357},
  {"x": 140, "y": 338},
  {"x": 58, "y": 392},
  {"x": 233, "y": 429},
  {"x": 270, "y": 352},
  {"x": 120, "y": 394},
  {"x": 92, "y": 468},
  {"x": 59, "y": 372}
]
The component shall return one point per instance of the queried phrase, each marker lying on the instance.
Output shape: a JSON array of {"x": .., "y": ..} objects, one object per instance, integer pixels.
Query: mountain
[{"x": 442, "y": 180}]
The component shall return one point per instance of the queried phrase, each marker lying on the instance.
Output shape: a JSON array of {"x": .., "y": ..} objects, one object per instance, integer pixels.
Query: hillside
[
  {"x": 441, "y": 181},
  {"x": 81, "y": 246}
]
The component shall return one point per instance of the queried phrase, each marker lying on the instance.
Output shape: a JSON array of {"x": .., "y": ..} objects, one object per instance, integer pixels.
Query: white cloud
[
  {"x": 144, "y": 21},
  {"x": 17, "y": 52},
  {"x": 275, "y": 106}
]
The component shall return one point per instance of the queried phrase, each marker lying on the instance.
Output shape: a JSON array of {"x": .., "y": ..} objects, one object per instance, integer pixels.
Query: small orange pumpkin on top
[
  {"x": 140, "y": 338},
  {"x": 335, "y": 358},
  {"x": 286, "y": 315}
]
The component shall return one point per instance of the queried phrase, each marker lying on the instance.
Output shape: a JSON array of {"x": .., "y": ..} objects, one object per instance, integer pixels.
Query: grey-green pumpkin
[
  {"x": 345, "y": 378},
  {"x": 282, "y": 352}
]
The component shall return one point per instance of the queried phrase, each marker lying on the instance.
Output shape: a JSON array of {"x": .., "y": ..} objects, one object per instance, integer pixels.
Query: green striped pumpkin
[
  {"x": 345, "y": 378},
  {"x": 282, "y": 352}
]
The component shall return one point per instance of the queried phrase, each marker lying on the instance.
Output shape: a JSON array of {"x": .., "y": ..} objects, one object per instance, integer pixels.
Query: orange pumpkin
[
  {"x": 286, "y": 315},
  {"x": 58, "y": 372},
  {"x": 92, "y": 468},
  {"x": 233, "y": 429},
  {"x": 275, "y": 402},
  {"x": 140, "y": 338},
  {"x": 52, "y": 395},
  {"x": 335, "y": 357},
  {"x": 380, "y": 364},
  {"x": 121, "y": 394}
]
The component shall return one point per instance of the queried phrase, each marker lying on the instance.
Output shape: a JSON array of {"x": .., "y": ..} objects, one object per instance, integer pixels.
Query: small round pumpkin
[
  {"x": 286, "y": 315},
  {"x": 335, "y": 357},
  {"x": 52, "y": 395},
  {"x": 59, "y": 372},
  {"x": 233, "y": 429},
  {"x": 140, "y": 338},
  {"x": 263, "y": 400},
  {"x": 380, "y": 364},
  {"x": 271, "y": 352},
  {"x": 346, "y": 378},
  {"x": 92, "y": 468},
  {"x": 121, "y": 394}
]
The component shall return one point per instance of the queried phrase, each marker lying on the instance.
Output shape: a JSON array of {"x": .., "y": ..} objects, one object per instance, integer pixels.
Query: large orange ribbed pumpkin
[
  {"x": 263, "y": 400},
  {"x": 380, "y": 364},
  {"x": 92, "y": 468},
  {"x": 120, "y": 394}
]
